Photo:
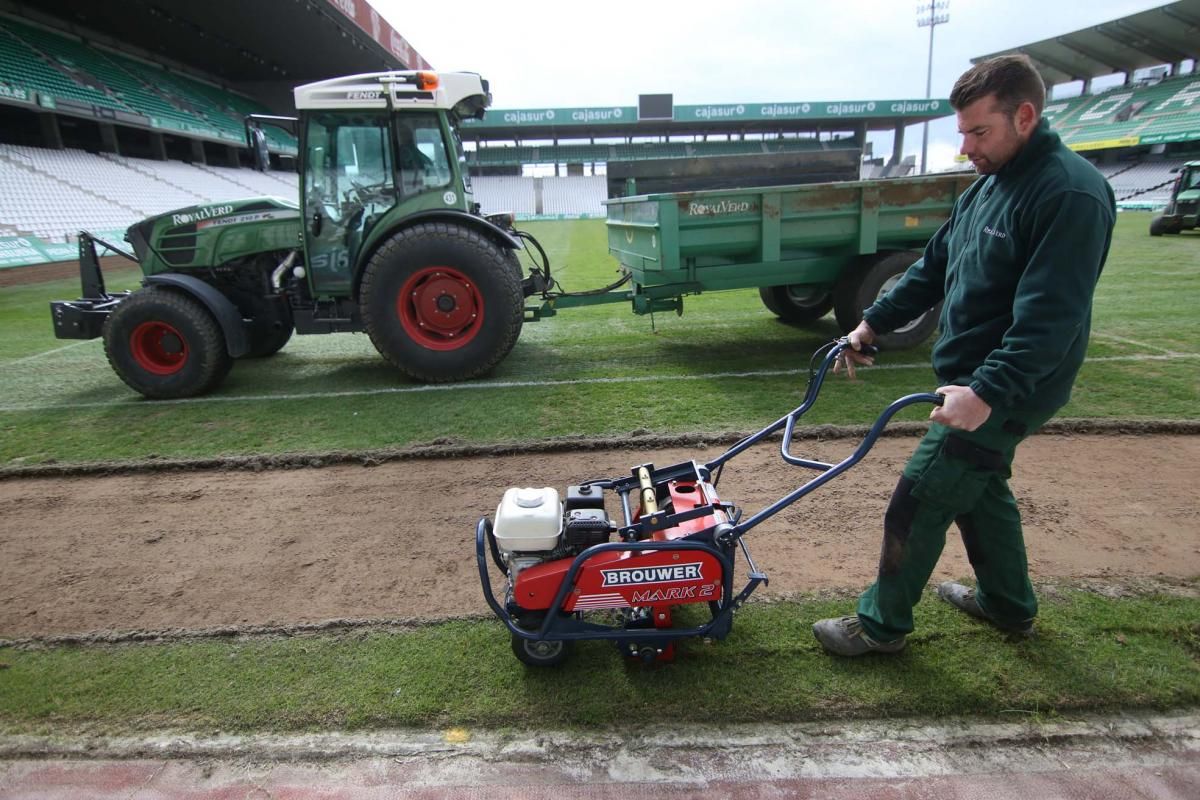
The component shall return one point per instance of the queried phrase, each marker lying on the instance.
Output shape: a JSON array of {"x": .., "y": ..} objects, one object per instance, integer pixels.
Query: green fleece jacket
[{"x": 1017, "y": 264}]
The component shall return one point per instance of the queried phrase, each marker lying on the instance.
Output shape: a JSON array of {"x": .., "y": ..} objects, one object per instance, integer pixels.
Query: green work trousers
[{"x": 955, "y": 476}]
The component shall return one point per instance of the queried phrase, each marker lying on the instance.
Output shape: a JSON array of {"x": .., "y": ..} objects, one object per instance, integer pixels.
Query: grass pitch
[
  {"x": 1092, "y": 653},
  {"x": 726, "y": 365}
]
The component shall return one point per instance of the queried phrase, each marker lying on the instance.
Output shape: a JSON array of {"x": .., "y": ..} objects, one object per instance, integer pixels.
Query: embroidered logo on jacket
[{"x": 993, "y": 232}]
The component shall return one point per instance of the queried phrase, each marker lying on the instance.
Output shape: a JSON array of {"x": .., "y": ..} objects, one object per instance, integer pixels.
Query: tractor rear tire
[
  {"x": 864, "y": 282},
  {"x": 797, "y": 303},
  {"x": 165, "y": 344},
  {"x": 442, "y": 302}
]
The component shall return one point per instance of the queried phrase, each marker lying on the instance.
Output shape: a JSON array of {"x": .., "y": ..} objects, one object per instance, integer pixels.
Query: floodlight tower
[{"x": 930, "y": 14}]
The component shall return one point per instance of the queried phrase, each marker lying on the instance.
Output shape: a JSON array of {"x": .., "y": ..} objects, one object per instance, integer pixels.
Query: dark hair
[{"x": 1012, "y": 79}]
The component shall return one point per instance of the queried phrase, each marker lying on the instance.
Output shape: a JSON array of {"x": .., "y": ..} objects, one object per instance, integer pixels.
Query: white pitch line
[
  {"x": 484, "y": 385},
  {"x": 46, "y": 353},
  {"x": 1123, "y": 340}
]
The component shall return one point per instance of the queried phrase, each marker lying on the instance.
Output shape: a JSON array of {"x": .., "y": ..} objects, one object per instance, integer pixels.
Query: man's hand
[
  {"x": 849, "y": 357},
  {"x": 963, "y": 408}
]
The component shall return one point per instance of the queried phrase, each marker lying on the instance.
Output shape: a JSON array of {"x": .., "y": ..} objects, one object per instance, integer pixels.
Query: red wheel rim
[
  {"x": 440, "y": 308},
  {"x": 158, "y": 348}
]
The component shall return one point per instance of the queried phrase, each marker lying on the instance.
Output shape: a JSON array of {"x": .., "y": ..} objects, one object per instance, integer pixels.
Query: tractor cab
[
  {"x": 1189, "y": 182},
  {"x": 374, "y": 149}
]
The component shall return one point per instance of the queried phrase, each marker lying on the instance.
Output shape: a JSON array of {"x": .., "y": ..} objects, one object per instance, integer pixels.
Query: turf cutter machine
[{"x": 568, "y": 580}]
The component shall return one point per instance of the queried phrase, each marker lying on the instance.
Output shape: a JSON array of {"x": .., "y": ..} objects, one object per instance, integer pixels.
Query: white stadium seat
[{"x": 53, "y": 194}]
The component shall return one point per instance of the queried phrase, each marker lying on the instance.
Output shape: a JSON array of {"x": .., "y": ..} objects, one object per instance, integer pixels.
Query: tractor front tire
[
  {"x": 797, "y": 303},
  {"x": 165, "y": 344},
  {"x": 1157, "y": 226},
  {"x": 864, "y": 282},
  {"x": 442, "y": 302}
]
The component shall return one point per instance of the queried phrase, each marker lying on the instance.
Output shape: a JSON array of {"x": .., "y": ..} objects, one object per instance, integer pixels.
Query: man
[{"x": 1017, "y": 264}]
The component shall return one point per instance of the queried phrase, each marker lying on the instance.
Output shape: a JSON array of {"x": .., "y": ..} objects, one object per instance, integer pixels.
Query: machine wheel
[
  {"x": 272, "y": 327},
  {"x": 540, "y": 654},
  {"x": 797, "y": 303},
  {"x": 165, "y": 344},
  {"x": 1157, "y": 226},
  {"x": 865, "y": 282},
  {"x": 442, "y": 302}
]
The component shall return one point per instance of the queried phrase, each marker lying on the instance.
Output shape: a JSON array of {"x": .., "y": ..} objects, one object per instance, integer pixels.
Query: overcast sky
[{"x": 558, "y": 54}]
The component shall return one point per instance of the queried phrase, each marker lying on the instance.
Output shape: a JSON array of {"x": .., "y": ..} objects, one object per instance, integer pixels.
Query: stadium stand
[
  {"x": 601, "y": 153},
  {"x": 505, "y": 193},
  {"x": 53, "y": 194},
  {"x": 574, "y": 195},
  {"x": 21, "y": 63},
  {"x": 1148, "y": 180},
  {"x": 66, "y": 67},
  {"x": 1164, "y": 108},
  {"x": 38, "y": 204}
]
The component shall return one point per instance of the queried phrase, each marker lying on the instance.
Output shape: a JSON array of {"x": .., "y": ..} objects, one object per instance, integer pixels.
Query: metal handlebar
[{"x": 788, "y": 423}]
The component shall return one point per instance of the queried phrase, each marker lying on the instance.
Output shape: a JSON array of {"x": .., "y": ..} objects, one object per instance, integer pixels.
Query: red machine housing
[{"x": 659, "y": 579}]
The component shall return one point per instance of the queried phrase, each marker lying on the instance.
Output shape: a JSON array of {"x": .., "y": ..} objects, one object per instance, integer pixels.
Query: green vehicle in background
[
  {"x": 1183, "y": 210},
  {"x": 385, "y": 238}
]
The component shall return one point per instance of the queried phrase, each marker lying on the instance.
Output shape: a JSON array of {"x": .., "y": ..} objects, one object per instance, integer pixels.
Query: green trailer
[{"x": 808, "y": 249}]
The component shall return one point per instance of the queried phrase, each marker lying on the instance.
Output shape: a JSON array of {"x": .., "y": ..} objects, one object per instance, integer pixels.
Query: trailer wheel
[
  {"x": 865, "y": 282},
  {"x": 797, "y": 303},
  {"x": 441, "y": 302},
  {"x": 272, "y": 327},
  {"x": 164, "y": 344}
]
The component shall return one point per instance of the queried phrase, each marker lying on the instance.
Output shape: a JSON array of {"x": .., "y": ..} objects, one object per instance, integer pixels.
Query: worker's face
[{"x": 990, "y": 137}]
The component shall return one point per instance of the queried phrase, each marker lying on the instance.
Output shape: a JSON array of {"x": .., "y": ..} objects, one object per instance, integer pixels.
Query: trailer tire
[
  {"x": 797, "y": 303},
  {"x": 165, "y": 344},
  {"x": 865, "y": 282},
  {"x": 442, "y": 302}
]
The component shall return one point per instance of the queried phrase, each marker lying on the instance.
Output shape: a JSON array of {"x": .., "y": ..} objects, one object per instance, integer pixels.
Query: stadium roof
[
  {"x": 245, "y": 41},
  {"x": 1168, "y": 34}
]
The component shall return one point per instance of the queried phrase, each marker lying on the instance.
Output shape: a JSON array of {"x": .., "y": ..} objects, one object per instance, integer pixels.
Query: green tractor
[
  {"x": 1181, "y": 213},
  {"x": 385, "y": 239}
]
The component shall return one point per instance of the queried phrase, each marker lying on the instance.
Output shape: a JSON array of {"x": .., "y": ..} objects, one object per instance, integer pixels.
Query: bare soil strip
[{"x": 233, "y": 549}]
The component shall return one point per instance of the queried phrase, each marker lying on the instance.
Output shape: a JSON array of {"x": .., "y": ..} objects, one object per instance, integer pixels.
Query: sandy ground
[{"x": 197, "y": 550}]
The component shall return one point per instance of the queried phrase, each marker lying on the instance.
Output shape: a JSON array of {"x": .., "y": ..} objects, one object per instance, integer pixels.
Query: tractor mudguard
[
  {"x": 220, "y": 306},
  {"x": 503, "y": 237}
]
